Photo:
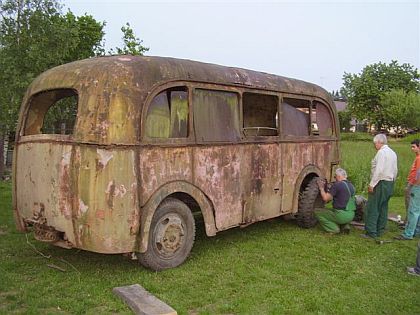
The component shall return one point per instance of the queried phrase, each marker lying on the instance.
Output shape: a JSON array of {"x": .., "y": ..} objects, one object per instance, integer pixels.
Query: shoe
[
  {"x": 402, "y": 238},
  {"x": 364, "y": 235},
  {"x": 345, "y": 229},
  {"x": 412, "y": 271}
]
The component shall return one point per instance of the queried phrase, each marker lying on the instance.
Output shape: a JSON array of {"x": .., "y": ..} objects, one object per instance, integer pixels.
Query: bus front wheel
[
  {"x": 309, "y": 199},
  {"x": 171, "y": 236}
]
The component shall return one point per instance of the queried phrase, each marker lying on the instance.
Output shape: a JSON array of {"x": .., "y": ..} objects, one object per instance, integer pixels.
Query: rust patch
[
  {"x": 100, "y": 214},
  {"x": 110, "y": 192},
  {"x": 65, "y": 200}
]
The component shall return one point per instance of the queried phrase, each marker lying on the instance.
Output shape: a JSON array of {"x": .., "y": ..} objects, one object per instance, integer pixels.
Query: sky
[{"x": 315, "y": 41}]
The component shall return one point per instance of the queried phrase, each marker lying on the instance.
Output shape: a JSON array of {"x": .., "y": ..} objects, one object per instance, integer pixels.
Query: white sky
[{"x": 315, "y": 41}]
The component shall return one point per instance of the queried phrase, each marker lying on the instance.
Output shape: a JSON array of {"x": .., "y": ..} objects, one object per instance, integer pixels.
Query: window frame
[
  {"x": 143, "y": 138},
  {"x": 219, "y": 88},
  {"x": 23, "y": 133},
  {"x": 255, "y": 138}
]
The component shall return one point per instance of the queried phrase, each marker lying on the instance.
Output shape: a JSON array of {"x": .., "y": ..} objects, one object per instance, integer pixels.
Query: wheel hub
[{"x": 169, "y": 234}]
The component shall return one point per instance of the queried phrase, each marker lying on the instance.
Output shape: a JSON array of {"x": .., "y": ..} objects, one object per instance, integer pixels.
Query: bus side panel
[
  {"x": 323, "y": 155},
  {"x": 218, "y": 173},
  {"x": 159, "y": 166},
  {"x": 106, "y": 212},
  {"x": 295, "y": 157},
  {"x": 43, "y": 185}
]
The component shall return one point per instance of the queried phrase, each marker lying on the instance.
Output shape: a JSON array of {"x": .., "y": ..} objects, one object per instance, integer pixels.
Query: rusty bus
[{"x": 155, "y": 139}]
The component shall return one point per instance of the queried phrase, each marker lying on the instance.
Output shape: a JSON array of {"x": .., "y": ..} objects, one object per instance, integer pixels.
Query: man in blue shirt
[{"x": 342, "y": 213}]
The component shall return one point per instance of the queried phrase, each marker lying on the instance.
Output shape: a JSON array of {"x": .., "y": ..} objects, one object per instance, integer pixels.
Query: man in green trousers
[
  {"x": 383, "y": 175},
  {"x": 335, "y": 220}
]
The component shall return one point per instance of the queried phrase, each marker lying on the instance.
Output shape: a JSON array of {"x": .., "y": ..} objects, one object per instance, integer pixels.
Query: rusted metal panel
[
  {"x": 159, "y": 166},
  {"x": 261, "y": 181},
  {"x": 295, "y": 157},
  {"x": 217, "y": 171},
  {"x": 323, "y": 154},
  {"x": 88, "y": 193},
  {"x": 42, "y": 183},
  {"x": 105, "y": 208}
]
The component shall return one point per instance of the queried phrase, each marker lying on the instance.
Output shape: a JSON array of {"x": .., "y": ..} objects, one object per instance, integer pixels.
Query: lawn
[{"x": 272, "y": 267}]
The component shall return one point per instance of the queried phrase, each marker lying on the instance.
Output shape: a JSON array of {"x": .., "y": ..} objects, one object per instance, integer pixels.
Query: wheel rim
[{"x": 169, "y": 235}]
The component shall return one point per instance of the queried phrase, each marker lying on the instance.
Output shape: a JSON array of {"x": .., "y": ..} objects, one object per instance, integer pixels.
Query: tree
[
  {"x": 35, "y": 36},
  {"x": 344, "y": 117},
  {"x": 364, "y": 90},
  {"x": 401, "y": 108},
  {"x": 132, "y": 44}
]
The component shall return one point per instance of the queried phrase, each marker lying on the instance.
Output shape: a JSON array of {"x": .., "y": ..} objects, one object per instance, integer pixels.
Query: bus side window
[
  {"x": 167, "y": 115},
  {"x": 295, "y": 117},
  {"x": 216, "y": 116},
  {"x": 52, "y": 112},
  {"x": 260, "y": 114},
  {"x": 323, "y": 119}
]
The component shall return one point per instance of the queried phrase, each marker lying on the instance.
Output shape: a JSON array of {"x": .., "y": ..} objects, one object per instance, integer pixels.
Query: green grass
[
  {"x": 271, "y": 267},
  {"x": 356, "y": 160}
]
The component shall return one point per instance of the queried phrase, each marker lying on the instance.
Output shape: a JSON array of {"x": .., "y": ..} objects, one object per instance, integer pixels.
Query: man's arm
[
  {"x": 380, "y": 164},
  {"x": 325, "y": 195}
]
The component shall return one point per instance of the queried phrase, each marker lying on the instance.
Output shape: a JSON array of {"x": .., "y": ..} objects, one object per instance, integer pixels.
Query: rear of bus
[{"x": 74, "y": 172}]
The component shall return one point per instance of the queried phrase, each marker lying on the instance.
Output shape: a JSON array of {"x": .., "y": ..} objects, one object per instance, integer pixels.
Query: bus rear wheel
[
  {"x": 309, "y": 199},
  {"x": 171, "y": 236}
]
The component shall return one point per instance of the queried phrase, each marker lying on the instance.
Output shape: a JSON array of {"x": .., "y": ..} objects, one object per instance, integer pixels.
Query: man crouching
[{"x": 342, "y": 195}]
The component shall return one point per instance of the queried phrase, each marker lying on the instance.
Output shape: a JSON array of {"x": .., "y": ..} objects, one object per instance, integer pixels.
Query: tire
[
  {"x": 171, "y": 236},
  {"x": 309, "y": 199}
]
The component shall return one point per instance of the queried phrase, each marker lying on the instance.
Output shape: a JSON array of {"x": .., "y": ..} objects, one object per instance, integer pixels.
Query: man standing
[
  {"x": 412, "y": 226},
  {"x": 342, "y": 213},
  {"x": 415, "y": 271},
  {"x": 381, "y": 186},
  {"x": 415, "y": 144}
]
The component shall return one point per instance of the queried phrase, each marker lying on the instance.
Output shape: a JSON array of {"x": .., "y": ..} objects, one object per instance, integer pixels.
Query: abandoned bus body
[{"x": 154, "y": 139}]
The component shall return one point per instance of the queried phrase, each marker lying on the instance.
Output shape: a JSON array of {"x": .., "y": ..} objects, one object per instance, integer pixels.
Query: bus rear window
[{"x": 52, "y": 112}]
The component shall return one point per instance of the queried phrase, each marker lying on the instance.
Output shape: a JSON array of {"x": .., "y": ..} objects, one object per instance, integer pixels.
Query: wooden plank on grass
[{"x": 142, "y": 302}]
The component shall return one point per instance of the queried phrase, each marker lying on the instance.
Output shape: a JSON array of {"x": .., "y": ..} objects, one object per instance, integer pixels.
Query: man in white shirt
[{"x": 383, "y": 175}]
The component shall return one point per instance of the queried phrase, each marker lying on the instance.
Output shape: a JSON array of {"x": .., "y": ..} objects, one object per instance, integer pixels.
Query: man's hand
[
  {"x": 321, "y": 183},
  {"x": 370, "y": 189}
]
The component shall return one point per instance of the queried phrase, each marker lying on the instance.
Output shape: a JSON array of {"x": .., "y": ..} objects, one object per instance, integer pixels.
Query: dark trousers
[
  {"x": 376, "y": 214},
  {"x": 417, "y": 267}
]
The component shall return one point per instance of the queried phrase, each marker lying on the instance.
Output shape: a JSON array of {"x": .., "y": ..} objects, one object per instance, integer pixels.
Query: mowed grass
[{"x": 271, "y": 267}]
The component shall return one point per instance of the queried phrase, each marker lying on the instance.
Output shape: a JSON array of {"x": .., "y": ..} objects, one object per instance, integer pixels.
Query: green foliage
[
  {"x": 356, "y": 160},
  {"x": 356, "y": 136},
  {"x": 409, "y": 138},
  {"x": 35, "y": 36},
  {"x": 364, "y": 90},
  {"x": 132, "y": 44},
  {"x": 401, "y": 108},
  {"x": 344, "y": 117}
]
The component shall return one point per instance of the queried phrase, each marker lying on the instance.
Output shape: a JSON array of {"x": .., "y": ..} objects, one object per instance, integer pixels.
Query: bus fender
[
  {"x": 309, "y": 170},
  {"x": 148, "y": 210}
]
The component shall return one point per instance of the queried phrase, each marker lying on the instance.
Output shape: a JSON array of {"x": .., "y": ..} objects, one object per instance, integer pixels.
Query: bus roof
[{"x": 144, "y": 72}]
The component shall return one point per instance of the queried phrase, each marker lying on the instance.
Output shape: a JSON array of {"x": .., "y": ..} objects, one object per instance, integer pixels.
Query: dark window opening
[
  {"x": 260, "y": 114},
  {"x": 167, "y": 115},
  {"x": 295, "y": 117},
  {"x": 216, "y": 116},
  {"x": 52, "y": 112},
  {"x": 322, "y": 124}
]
